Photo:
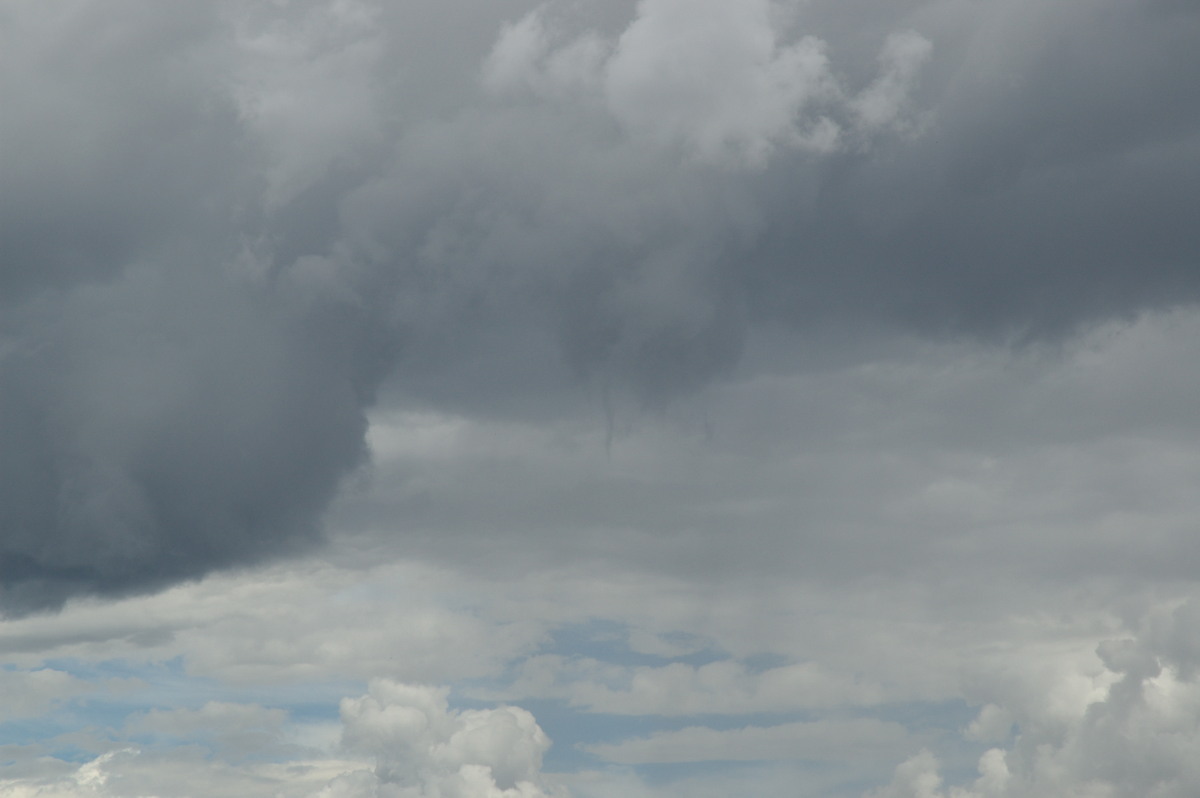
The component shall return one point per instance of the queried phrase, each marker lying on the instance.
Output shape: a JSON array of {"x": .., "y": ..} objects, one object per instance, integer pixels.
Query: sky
[{"x": 599, "y": 399}]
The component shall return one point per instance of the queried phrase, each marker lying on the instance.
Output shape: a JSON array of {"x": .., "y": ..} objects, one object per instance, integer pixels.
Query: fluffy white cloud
[
  {"x": 712, "y": 78},
  {"x": 425, "y": 750},
  {"x": 1137, "y": 737},
  {"x": 411, "y": 744}
]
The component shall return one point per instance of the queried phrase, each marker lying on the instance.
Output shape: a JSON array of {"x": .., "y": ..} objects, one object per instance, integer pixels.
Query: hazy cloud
[
  {"x": 825, "y": 741},
  {"x": 654, "y": 359},
  {"x": 224, "y": 229}
]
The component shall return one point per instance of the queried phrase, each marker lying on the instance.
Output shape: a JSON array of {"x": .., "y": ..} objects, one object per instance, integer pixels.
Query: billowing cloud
[
  {"x": 167, "y": 406},
  {"x": 425, "y": 750},
  {"x": 890, "y": 279},
  {"x": 1134, "y": 736},
  {"x": 710, "y": 80},
  {"x": 403, "y": 741},
  {"x": 713, "y": 78}
]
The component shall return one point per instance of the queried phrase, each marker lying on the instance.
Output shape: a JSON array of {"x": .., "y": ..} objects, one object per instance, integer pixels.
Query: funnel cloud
[{"x": 229, "y": 228}]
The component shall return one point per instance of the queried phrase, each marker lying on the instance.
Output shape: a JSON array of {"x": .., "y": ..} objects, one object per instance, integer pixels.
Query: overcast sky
[{"x": 600, "y": 398}]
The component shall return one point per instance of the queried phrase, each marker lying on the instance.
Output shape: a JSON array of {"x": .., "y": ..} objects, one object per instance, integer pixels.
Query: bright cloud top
[
  {"x": 710, "y": 77},
  {"x": 420, "y": 749}
]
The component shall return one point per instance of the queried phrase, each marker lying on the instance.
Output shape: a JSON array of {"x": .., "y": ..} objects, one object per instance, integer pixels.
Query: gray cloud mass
[{"x": 227, "y": 228}]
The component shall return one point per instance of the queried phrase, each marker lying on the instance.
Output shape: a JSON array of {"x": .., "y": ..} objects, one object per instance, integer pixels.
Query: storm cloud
[{"x": 227, "y": 230}]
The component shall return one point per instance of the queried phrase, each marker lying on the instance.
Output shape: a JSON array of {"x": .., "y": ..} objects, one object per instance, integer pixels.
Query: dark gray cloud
[
  {"x": 226, "y": 228},
  {"x": 158, "y": 427},
  {"x": 116, "y": 140},
  {"x": 1052, "y": 187}
]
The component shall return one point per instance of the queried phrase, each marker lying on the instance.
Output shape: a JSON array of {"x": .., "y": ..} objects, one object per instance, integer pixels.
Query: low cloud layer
[
  {"x": 415, "y": 747},
  {"x": 225, "y": 229},
  {"x": 1134, "y": 735},
  {"x": 231, "y": 231}
]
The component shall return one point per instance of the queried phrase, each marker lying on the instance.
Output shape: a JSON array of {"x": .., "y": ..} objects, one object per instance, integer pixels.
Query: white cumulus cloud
[
  {"x": 1138, "y": 738},
  {"x": 424, "y": 749},
  {"x": 718, "y": 80}
]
